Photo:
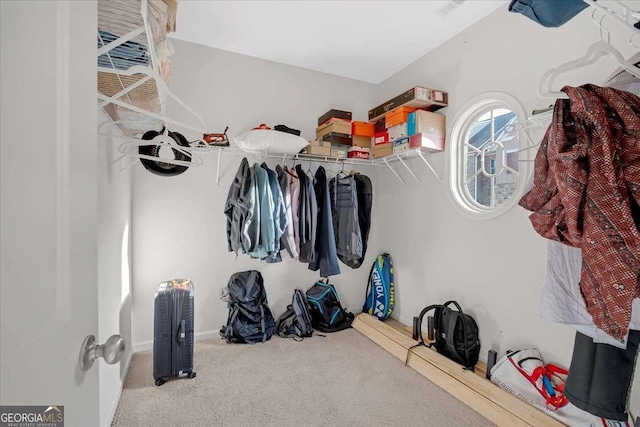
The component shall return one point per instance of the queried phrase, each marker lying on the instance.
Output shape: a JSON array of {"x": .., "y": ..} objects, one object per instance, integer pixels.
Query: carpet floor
[{"x": 342, "y": 379}]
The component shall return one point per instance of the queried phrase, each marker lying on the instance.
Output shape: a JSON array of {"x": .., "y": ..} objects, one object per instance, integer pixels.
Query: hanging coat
[
  {"x": 308, "y": 214},
  {"x": 287, "y": 240},
  {"x": 239, "y": 208},
  {"x": 326, "y": 257},
  {"x": 267, "y": 231},
  {"x": 365, "y": 201},
  {"x": 294, "y": 188},
  {"x": 279, "y": 214},
  {"x": 344, "y": 207}
]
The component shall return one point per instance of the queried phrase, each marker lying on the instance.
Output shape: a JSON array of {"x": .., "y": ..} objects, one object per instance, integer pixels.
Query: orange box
[
  {"x": 362, "y": 129},
  {"x": 397, "y": 116}
]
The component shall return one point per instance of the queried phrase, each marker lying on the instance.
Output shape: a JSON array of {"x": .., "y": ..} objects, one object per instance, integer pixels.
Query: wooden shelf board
[{"x": 496, "y": 404}]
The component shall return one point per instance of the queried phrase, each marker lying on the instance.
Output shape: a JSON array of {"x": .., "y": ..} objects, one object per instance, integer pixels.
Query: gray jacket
[{"x": 239, "y": 210}]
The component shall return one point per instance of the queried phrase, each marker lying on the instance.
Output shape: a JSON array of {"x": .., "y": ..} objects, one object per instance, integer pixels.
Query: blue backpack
[{"x": 380, "y": 298}]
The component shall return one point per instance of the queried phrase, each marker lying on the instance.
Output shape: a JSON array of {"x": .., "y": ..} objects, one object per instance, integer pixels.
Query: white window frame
[{"x": 457, "y": 155}]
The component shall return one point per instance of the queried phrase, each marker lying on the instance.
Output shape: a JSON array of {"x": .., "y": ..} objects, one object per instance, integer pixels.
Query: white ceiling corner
[{"x": 364, "y": 40}]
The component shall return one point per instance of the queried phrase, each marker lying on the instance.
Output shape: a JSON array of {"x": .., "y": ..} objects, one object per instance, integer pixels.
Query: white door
[{"x": 49, "y": 189}]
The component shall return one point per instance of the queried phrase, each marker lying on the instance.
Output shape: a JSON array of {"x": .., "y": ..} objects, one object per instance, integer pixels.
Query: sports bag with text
[{"x": 380, "y": 294}]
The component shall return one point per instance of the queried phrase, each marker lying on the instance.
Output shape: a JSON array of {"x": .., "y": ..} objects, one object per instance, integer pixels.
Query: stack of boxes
[
  {"x": 408, "y": 121},
  {"x": 333, "y": 135},
  {"x": 405, "y": 122}
]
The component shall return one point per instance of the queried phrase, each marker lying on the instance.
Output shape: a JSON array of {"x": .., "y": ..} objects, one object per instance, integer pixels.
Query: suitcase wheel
[
  {"x": 159, "y": 382},
  {"x": 191, "y": 375}
]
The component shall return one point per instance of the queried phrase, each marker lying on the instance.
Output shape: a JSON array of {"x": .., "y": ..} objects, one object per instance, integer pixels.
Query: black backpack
[
  {"x": 250, "y": 319},
  {"x": 456, "y": 334},
  {"x": 327, "y": 314},
  {"x": 296, "y": 321}
]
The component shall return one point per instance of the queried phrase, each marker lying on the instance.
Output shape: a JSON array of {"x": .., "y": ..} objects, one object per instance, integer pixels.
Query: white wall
[
  {"x": 114, "y": 277},
  {"x": 494, "y": 268},
  {"x": 178, "y": 224}
]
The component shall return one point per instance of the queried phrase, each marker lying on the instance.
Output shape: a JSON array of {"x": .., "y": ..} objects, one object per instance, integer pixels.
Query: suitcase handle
[{"x": 181, "y": 332}]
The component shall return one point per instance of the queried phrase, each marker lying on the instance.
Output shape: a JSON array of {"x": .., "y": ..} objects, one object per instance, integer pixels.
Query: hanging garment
[
  {"x": 308, "y": 215},
  {"x": 344, "y": 209},
  {"x": 251, "y": 229},
  {"x": 238, "y": 209},
  {"x": 365, "y": 200},
  {"x": 599, "y": 380},
  {"x": 586, "y": 182},
  {"x": 326, "y": 257},
  {"x": 294, "y": 188},
  {"x": 279, "y": 213},
  {"x": 549, "y": 13},
  {"x": 561, "y": 299},
  {"x": 562, "y": 302},
  {"x": 267, "y": 206},
  {"x": 287, "y": 240}
]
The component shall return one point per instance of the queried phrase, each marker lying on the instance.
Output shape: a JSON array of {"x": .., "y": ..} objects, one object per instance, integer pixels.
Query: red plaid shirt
[{"x": 586, "y": 185}]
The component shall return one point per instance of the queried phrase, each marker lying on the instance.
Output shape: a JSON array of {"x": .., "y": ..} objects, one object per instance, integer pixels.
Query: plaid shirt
[{"x": 586, "y": 184}]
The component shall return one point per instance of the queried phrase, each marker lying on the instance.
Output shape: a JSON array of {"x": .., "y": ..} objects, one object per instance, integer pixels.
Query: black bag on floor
[
  {"x": 327, "y": 314},
  {"x": 296, "y": 321},
  {"x": 456, "y": 334},
  {"x": 250, "y": 319}
]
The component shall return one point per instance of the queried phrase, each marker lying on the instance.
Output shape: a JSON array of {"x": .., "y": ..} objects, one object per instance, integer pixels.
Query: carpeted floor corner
[{"x": 341, "y": 379}]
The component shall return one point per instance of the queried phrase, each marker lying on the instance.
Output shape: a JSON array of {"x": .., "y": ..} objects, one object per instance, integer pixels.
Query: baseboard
[
  {"x": 127, "y": 364},
  {"x": 199, "y": 336}
]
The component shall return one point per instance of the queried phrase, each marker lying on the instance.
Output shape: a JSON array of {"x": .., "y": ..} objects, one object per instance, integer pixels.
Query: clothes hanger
[
  {"x": 129, "y": 147},
  {"x": 594, "y": 53}
]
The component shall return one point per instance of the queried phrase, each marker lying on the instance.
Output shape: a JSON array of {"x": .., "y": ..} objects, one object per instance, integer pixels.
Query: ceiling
[{"x": 363, "y": 40}]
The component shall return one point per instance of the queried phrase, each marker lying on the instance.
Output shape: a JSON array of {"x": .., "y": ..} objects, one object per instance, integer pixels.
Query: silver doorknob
[{"x": 111, "y": 351}]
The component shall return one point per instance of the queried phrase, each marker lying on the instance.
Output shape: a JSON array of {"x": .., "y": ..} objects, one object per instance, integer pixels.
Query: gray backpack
[{"x": 296, "y": 321}]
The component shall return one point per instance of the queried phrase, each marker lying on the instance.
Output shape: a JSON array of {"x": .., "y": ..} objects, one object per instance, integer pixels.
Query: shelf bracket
[
  {"x": 394, "y": 171},
  {"x": 428, "y": 164},
  {"x": 218, "y": 166},
  {"x": 408, "y": 168}
]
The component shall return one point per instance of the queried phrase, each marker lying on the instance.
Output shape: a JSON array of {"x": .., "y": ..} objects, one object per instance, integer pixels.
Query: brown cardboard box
[
  {"x": 339, "y": 114},
  {"x": 419, "y": 97},
  {"x": 333, "y": 126},
  {"x": 320, "y": 143},
  {"x": 362, "y": 141},
  {"x": 427, "y": 122},
  {"x": 318, "y": 150},
  {"x": 382, "y": 150}
]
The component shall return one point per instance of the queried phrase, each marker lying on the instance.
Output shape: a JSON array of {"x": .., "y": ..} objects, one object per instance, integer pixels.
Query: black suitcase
[{"x": 173, "y": 331}]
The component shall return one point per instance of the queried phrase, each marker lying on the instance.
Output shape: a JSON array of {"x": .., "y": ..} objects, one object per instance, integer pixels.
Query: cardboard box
[
  {"x": 380, "y": 125},
  {"x": 362, "y": 129},
  {"x": 397, "y": 116},
  {"x": 333, "y": 125},
  {"x": 418, "y": 97},
  {"x": 320, "y": 143},
  {"x": 398, "y": 131},
  {"x": 362, "y": 141},
  {"x": 359, "y": 153},
  {"x": 426, "y": 122},
  {"x": 318, "y": 150},
  {"x": 338, "y": 114},
  {"x": 382, "y": 150},
  {"x": 338, "y": 138},
  {"x": 427, "y": 142},
  {"x": 338, "y": 153},
  {"x": 380, "y": 138}
]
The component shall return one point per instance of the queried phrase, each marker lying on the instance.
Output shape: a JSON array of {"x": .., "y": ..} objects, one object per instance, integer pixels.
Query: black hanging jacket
[{"x": 326, "y": 257}]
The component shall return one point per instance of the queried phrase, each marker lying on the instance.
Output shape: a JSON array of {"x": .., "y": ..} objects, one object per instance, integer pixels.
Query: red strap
[{"x": 553, "y": 403}]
